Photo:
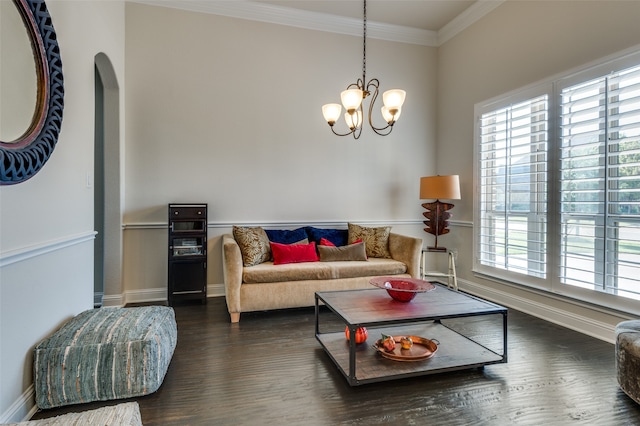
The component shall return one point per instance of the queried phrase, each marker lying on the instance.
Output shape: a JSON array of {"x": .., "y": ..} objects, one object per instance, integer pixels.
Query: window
[
  {"x": 600, "y": 183},
  {"x": 558, "y": 173},
  {"x": 513, "y": 190}
]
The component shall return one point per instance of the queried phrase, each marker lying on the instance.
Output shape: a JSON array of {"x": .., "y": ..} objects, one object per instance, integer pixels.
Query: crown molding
[
  {"x": 269, "y": 13},
  {"x": 461, "y": 22}
]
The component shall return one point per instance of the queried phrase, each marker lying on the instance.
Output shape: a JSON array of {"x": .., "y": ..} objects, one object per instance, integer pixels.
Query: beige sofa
[{"x": 267, "y": 286}]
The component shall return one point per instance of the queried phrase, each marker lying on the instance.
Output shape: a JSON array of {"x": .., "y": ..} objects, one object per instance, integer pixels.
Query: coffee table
[{"x": 375, "y": 310}]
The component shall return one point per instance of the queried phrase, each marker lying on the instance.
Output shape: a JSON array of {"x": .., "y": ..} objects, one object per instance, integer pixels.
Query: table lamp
[{"x": 437, "y": 213}]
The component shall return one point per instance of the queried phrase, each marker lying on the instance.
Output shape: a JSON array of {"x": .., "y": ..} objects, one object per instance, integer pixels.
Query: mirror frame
[{"x": 24, "y": 157}]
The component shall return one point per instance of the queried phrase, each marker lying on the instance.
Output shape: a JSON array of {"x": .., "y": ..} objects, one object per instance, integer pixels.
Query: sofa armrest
[
  {"x": 232, "y": 273},
  {"x": 406, "y": 250}
]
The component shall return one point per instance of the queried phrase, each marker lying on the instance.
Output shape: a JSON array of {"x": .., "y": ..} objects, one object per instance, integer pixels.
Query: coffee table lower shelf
[{"x": 455, "y": 352}]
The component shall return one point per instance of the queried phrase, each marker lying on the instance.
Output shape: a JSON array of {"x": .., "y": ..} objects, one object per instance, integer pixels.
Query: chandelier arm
[
  {"x": 376, "y": 84},
  {"x": 341, "y": 134},
  {"x": 380, "y": 131},
  {"x": 358, "y": 85},
  {"x": 358, "y": 130}
]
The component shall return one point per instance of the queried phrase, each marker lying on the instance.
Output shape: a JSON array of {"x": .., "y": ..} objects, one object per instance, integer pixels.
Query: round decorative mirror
[{"x": 23, "y": 156}]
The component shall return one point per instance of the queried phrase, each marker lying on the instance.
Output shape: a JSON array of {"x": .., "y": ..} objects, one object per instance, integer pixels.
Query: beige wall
[
  {"x": 46, "y": 223},
  {"x": 228, "y": 112},
  {"x": 518, "y": 44}
]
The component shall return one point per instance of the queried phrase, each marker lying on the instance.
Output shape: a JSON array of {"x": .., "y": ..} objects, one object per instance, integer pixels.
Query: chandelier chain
[{"x": 364, "y": 45}]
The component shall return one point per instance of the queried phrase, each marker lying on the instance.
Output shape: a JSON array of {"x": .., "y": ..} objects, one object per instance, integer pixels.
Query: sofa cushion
[
  {"x": 376, "y": 239},
  {"x": 351, "y": 252},
  {"x": 293, "y": 253},
  {"x": 286, "y": 236},
  {"x": 268, "y": 273},
  {"x": 372, "y": 267},
  {"x": 254, "y": 245},
  {"x": 336, "y": 236}
]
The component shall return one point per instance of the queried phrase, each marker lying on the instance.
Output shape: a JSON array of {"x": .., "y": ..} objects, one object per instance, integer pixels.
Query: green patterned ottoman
[{"x": 103, "y": 354}]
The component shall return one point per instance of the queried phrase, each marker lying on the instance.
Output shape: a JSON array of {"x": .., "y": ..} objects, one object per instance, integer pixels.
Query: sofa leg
[{"x": 235, "y": 316}]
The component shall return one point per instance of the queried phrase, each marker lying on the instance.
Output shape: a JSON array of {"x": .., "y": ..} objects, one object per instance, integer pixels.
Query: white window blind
[
  {"x": 513, "y": 190},
  {"x": 600, "y": 184}
]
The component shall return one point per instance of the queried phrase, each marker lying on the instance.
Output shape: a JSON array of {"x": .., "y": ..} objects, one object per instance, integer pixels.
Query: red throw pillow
[
  {"x": 325, "y": 242},
  {"x": 293, "y": 253}
]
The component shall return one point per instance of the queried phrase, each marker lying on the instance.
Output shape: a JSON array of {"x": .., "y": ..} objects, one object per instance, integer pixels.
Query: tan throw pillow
[
  {"x": 376, "y": 240},
  {"x": 351, "y": 252},
  {"x": 254, "y": 245}
]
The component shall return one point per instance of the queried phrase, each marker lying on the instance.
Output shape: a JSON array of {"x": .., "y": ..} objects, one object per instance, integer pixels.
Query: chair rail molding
[
  {"x": 294, "y": 224},
  {"x": 18, "y": 255}
]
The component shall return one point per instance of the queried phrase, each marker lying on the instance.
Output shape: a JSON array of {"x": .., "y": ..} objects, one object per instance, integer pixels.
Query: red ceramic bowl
[{"x": 402, "y": 289}]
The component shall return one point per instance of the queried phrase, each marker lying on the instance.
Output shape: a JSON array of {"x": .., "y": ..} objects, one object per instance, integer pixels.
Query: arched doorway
[{"x": 107, "y": 191}]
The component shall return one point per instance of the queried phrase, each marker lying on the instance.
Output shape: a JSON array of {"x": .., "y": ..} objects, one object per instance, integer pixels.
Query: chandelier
[{"x": 354, "y": 95}]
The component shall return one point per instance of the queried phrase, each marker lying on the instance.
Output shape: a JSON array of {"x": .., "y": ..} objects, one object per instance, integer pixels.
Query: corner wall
[{"x": 518, "y": 44}]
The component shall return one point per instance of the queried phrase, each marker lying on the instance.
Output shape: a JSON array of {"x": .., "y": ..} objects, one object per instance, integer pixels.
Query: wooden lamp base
[{"x": 437, "y": 219}]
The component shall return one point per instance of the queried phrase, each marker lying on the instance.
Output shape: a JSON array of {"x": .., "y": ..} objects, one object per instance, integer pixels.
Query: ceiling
[
  {"x": 425, "y": 22},
  {"x": 430, "y": 15}
]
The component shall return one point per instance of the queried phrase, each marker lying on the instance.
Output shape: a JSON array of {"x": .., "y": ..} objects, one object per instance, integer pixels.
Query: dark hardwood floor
[{"x": 269, "y": 369}]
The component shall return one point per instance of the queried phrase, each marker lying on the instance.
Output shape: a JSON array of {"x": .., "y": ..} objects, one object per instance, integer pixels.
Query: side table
[{"x": 452, "y": 279}]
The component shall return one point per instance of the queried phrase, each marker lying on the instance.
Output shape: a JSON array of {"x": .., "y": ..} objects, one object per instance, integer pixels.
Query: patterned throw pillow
[
  {"x": 254, "y": 245},
  {"x": 376, "y": 240}
]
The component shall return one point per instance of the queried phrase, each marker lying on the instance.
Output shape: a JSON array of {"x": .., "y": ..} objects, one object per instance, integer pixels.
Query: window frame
[{"x": 552, "y": 87}]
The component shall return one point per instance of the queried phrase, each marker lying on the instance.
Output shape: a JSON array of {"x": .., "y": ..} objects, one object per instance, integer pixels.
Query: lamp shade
[
  {"x": 351, "y": 99},
  {"x": 393, "y": 99},
  {"x": 331, "y": 112},
  {"x": 440, "y": 187}
]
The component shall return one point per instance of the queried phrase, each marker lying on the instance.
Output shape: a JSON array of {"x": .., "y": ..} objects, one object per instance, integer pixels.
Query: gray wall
[{"x": 46, "y": 223}]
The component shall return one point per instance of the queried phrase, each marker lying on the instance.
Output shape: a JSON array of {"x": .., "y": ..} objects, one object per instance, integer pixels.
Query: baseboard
[
  {"x": 579, "y": 323},
  {"x": 158, "y": 294},
  {"x": 22, "y": 409},
  {"x": 113, "y": 300},
  {"x": 97, "y": 299},
  {"x": 215, "y": 290}
]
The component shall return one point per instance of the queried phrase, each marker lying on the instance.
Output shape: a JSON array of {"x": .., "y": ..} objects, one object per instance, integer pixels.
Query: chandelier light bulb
[
  {"x": 390, "y": 116},
  {"x": 331, "y": 113},
  {"x": 349, "y": 118},
  {"x": 351, "y": 99},
  {"x": 393, "y": 99}
]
